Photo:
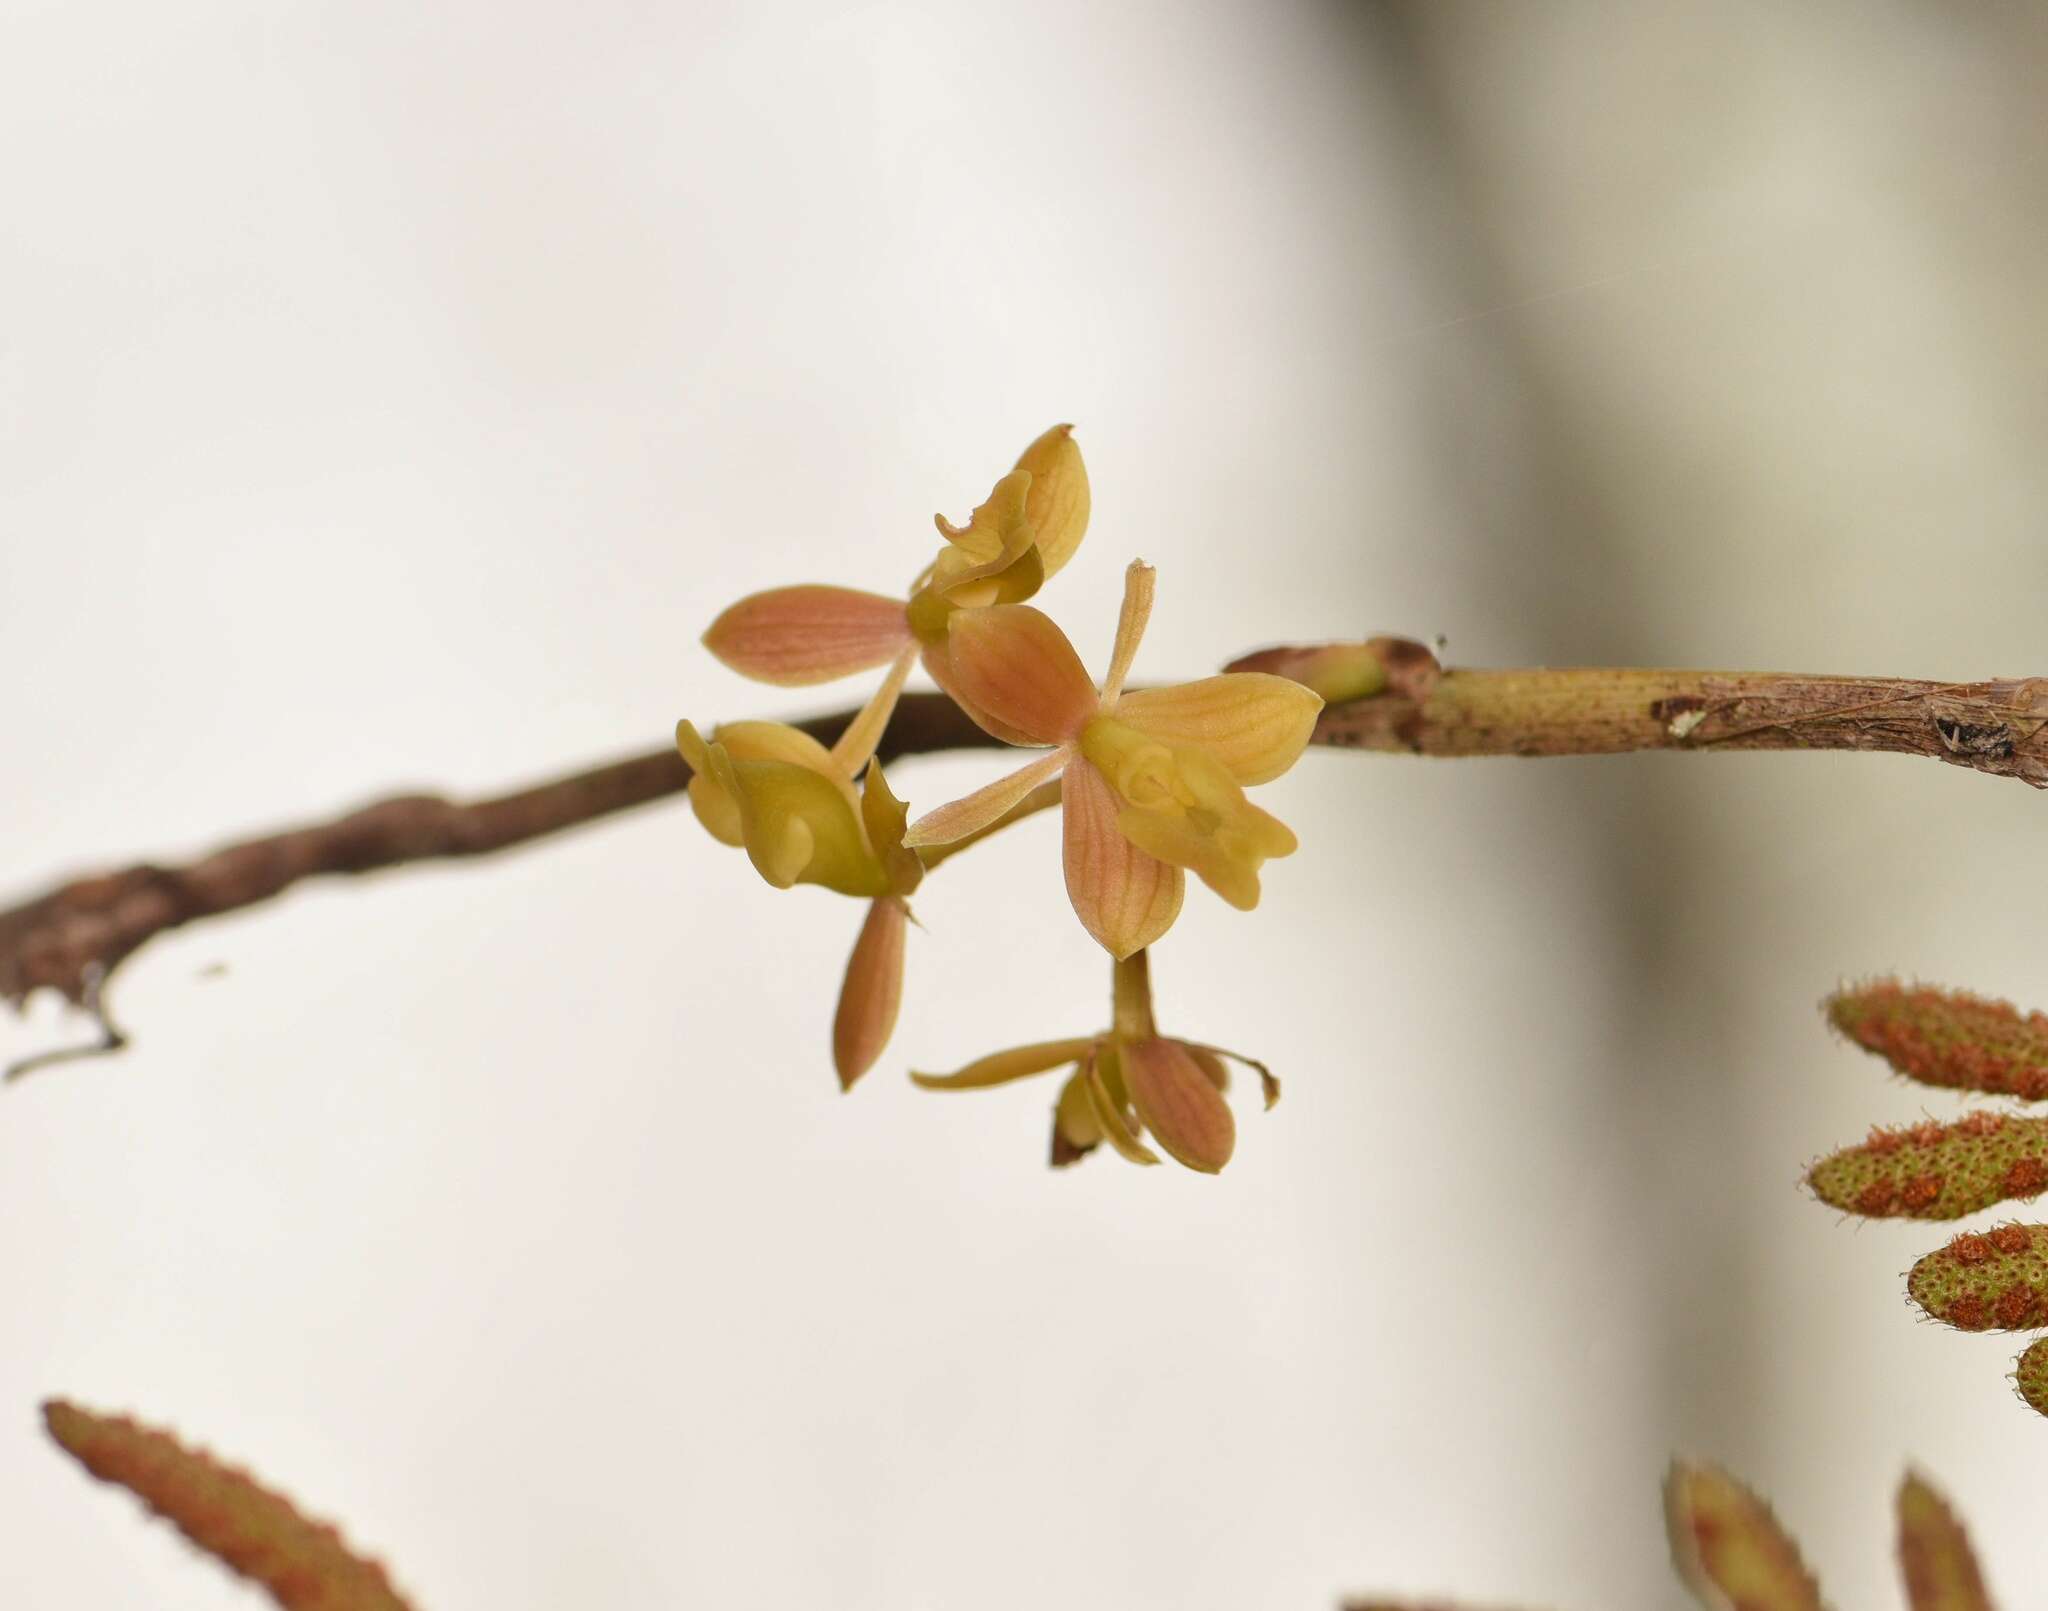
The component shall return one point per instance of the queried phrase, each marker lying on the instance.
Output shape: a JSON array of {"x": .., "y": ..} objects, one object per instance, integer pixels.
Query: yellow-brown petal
[
  {"x": 1269, "y": 1083},
  {"x": 855, "y": 746},
  {"x": 872, "y": 992},
  {"x": 800, "y": 826},
  {"x": 886, "y": 818},
  {"x": 1178, "y": 1103},
  {"x": 1013, "y": 662},
  {"x": 1123, "y": 897},
  {"x": 1116, "y": 1129},
  {"x": 1256, "y": 725},
  {"x": 1057, "y": 505},
  {"x": 1017, "y": 1063},
  {"x": 971, "y": 813},
  {"x": 796, "y": 636},
  {"x": 1141, "y": 585},
  {"x": 1076, "y": 1131}
]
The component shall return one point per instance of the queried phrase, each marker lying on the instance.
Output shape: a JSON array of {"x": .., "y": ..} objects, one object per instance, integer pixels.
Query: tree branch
[{"x": 71, "y": 938}]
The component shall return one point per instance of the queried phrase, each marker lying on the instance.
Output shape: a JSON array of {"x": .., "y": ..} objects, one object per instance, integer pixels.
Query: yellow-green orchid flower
[
  {"x": 1027, "y": 528},
  {"x": 1126, "y": 1083},
  {"x": 796, "y": 809},
  {"x": 1153, "y": 779}
]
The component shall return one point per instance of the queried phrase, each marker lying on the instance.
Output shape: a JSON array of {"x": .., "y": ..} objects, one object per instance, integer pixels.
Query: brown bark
[{"x": 71, "y": 938}]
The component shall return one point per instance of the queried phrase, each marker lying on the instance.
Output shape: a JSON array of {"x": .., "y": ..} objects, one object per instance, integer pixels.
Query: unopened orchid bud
[
  {"x": 1937, "y": 1171},
  {"x": 1729, "y": 1549},
  {"x": 248, "y": 1528},
  {"x": 1986, "y": 1281},
  {"x": 1336, "y": 671},
  {"x": 1947, "y": 1037}
]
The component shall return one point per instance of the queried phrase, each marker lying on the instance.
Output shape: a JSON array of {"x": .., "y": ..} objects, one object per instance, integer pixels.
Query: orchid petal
[
  {"x": 1269, "y": 1084},
  {"x": 1186, "y": 809},
  {"x": 1116, "y": 1129},
  {"x": 1013, "y": 663},
  {"x": 1058, "y": 503},
  {"x": 973, "y": 812},
  {"x": 795, "y": 636},
  {"x": 938, "y": 665},
  {"x": 1228, "y": 864},
  {"x": 1043, "y": 798},
  {"x": 1177, "y": 1103},
  {"x": 865, "y": 731},
  {"x": 799, "y": 826},
  {"x": 714, "y": 799},
  {"x": 884, "y": 816},
  {"x": 1076, "y": 1131},
  {"x": 1256, "y": 725},
  {"x": 1000, "y": 1068},
  {"x": 872, "y": 992},
  {"x": 714, "y": 804},
  {"x": 993, "y": 559},
  {"x": 1123, "y": 896},
  {"x": 1140, "y": 582}
]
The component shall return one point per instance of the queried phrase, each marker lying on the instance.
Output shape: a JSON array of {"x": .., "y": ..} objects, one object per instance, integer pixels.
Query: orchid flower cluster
[{"x": 1150, "y": 784}]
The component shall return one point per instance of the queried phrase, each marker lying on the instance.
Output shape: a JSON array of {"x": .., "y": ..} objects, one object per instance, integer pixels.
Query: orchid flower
[
  {"x": 1027, "y": 528},
  {"x": 1126, "y": 1082},
  {"x": 795, "y": 808},
  {"x": 1153, "y": 779}
]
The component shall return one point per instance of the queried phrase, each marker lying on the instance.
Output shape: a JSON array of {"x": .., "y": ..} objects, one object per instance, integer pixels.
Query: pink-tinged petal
[
  {"x": 872, "y": 993},
  {"x": 1140, "y": 583},
  {"x": 1123, "y": 897},
  {"x": 1256, "y": 725},
  {"x": 1013, "y": 663},
  {"x": 795, "y": 636},
  {"x": 974, "y": 812},
  {"x": 1177, "y": 1102},
  {"x": 1000, "y": 1068},
  {"x": 938, "y": 665},
  {"x": 1058, "y": 502}
]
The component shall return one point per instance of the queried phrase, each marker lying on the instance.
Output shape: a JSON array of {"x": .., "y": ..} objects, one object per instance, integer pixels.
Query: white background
[{"x": 389, "y": 395}]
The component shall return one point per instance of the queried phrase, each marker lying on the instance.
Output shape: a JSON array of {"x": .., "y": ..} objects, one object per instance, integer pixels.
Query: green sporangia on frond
[
  {"x": 1947, "y": 1037},
  {"x": 1937, "y": 1171},
  {"x": 1733, "y": 1554},
  {"x": 246, "y": 1527},
  {"x": 1995, "y": 1280}
]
